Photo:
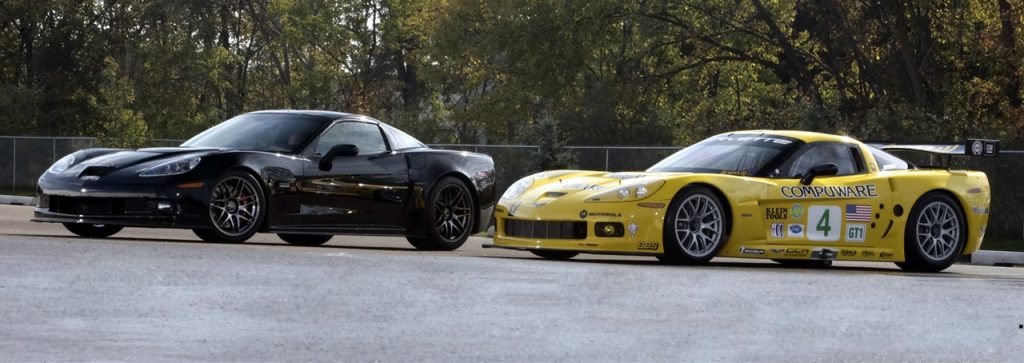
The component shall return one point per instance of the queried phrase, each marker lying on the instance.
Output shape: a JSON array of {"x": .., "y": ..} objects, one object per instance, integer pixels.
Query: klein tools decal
[
  {"x": 776, "y": 213},
  {"x": 830, "y": 191}
]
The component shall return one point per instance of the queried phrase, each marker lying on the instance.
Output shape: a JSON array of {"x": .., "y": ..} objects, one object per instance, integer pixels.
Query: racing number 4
[
  {"x": 825, "y": 219},
  {"x": 823, "y": 224}
]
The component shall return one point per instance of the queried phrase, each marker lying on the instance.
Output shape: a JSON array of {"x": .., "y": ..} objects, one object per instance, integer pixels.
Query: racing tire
[
  {"x": 696, "y": 227},
  {"x": 93, "y": 230},
  {"x": 450, "y": 217},
  {"x": 935, "y": 235},
  {"x": 805, "y": 263},
  {"x": 236, "y": 209},
  {"x": 302, "y": 239},
  {"x": 555, "y": 254}
]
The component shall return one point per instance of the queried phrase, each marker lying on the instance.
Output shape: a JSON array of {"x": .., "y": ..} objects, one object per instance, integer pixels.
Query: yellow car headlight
[{"x": 637, "y": 190}]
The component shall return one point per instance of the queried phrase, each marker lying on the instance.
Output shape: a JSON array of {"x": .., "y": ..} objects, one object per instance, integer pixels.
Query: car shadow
[{"x": 197, "y": 241}]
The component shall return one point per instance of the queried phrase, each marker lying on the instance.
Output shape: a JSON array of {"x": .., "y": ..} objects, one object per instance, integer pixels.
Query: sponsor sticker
[
  {"x": 796, "y": 252},
  {"x": 855, "y": 232},
  {"x": 885, "y": 255},
  {"x": 584, "y": 214},
  {"x": 795, "y": 231},
  {"x": 858, "y": 213},
  {"x": 751, "y": 251},
  {"x": 776, "y": 213},
  {"x": 830, "y": 191},
  {"x": 797, "y": 211},
  {"x": 867, "y": 253},
  {"x": 848, "y": 253},
  {"x": 778, "y": 230}
]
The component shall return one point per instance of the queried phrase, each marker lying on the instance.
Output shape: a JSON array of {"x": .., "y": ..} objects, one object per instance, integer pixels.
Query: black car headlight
[
  {"x": 62, "y": 164},
  {"x": 174, "y": 166}
]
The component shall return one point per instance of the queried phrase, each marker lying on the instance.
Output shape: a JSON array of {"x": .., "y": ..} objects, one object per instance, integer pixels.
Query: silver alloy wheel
[
  {"x": 451, "y": 213},
  {"x": 698, "y": 225},
  {"x": 938, "y": 230},
  {"x": 234, "y": 206}
]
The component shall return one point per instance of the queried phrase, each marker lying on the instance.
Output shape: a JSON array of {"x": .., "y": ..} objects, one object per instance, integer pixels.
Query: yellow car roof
[{"x": 805, "y": 136}]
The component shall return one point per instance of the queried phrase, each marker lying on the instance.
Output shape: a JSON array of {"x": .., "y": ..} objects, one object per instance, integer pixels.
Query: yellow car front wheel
[{"x": 695, "y": 226}]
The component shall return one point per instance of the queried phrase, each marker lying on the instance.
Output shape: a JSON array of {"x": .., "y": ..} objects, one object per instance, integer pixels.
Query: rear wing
[{"x": 971, "y": 147}]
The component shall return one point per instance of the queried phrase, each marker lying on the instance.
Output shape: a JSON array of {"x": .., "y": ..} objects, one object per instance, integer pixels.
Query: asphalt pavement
[{"x": 159, "y": 295}]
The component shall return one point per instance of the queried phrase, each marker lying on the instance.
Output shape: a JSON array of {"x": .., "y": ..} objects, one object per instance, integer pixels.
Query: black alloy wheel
[
  {"x": 236, "y": 209},
  {"x": 450, "y": 217}
]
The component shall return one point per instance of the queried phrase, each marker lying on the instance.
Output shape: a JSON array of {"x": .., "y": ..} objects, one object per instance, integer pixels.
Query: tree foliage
[{"x": 476, "y": 71}]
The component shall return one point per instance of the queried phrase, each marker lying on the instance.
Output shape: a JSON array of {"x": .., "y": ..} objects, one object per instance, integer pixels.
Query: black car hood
[{"x": 104, "y": 161}]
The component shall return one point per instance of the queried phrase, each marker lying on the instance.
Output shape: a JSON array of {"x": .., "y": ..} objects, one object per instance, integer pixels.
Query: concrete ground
[{"x": 159, "y": 295}]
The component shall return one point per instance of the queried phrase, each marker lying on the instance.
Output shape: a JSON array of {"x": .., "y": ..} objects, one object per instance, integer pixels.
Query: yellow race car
[{"x": 791, "y": 196}]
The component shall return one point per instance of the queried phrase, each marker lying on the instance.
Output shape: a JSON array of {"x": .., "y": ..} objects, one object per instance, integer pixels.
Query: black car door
[{"x": 361, "y": 192}]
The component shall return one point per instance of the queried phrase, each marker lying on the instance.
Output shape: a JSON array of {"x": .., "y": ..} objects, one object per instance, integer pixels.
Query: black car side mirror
[
  {"x": 339, "y": 150},
  {"x": 819, "y": 170}
]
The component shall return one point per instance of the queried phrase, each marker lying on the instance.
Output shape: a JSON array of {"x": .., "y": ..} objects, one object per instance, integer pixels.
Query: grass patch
[{"x": 1003, "y": 244}]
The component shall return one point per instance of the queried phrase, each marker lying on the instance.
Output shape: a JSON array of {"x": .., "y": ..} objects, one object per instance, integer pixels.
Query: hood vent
[{"x": 96, "y": 171}]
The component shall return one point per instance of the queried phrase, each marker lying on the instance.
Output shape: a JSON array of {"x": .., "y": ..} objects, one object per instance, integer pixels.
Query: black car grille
[
  {"x": 98, "y": 206},
  {"x": 546, "y": 229}
]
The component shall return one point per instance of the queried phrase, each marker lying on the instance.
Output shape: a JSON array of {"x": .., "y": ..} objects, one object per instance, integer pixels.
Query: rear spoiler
[{"x": 972, "y": 147}]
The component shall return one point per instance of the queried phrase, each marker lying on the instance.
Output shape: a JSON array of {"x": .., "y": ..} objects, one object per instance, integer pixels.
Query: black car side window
[
  {"x": 366, "y": 136},
  {"x": 819, "y": 153}
]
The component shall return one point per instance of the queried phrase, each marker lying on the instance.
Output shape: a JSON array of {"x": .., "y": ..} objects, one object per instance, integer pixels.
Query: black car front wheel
[
  {"x": 450, "y": 217},
  {"x": 236, "y": 209},
  {"x": 92, "y": 230}
]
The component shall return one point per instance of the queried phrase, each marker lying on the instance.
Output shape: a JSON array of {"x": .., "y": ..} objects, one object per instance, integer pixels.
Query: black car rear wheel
[
  {"x": 450, "y": 217},
  {"x": 93, "y": 230},
  {"x": 236, "y": 209},
  {"x": 300, "y": 239}
]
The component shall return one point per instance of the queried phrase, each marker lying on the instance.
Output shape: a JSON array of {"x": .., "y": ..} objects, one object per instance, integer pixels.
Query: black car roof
[{"x": 320, "y": 113}]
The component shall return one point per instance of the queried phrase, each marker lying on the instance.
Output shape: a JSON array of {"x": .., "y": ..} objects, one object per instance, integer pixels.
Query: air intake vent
[
  {"x": 97, "y": 171},
  {"x": 546, "y": 229}
]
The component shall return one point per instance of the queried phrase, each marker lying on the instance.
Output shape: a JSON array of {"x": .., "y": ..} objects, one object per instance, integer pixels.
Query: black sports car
[{"x": 304, "y": 175}]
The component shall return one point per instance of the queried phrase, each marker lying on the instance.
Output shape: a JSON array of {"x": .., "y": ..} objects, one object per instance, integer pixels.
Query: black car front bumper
[{"x": 134, "y": 205}]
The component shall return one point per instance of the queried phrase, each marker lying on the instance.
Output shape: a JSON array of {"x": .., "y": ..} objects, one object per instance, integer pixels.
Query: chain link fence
[{"x": 24, "y": 159}]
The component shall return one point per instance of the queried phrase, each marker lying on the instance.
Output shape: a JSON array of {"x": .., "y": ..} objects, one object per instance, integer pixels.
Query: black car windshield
[
  {"x": 273, "y": 132},
  {"x": 735, "y": 154}
]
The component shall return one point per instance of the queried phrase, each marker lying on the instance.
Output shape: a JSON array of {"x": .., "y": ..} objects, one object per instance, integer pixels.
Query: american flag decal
[{"x": 858, "y": 213}]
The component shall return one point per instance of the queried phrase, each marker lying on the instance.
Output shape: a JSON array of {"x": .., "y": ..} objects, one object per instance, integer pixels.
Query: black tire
[
  {"x": 93, "y": 230},
  {"x": 236, "y": 209},
  {"x": 935, "y": 235},
  {"x": 301, "y": 239},
  {"x": 555, "y": 254},
  {"x": 450, "y": 217},
  {"x": 805, "y": 263},
  {"x": 703, "y": 227}
]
